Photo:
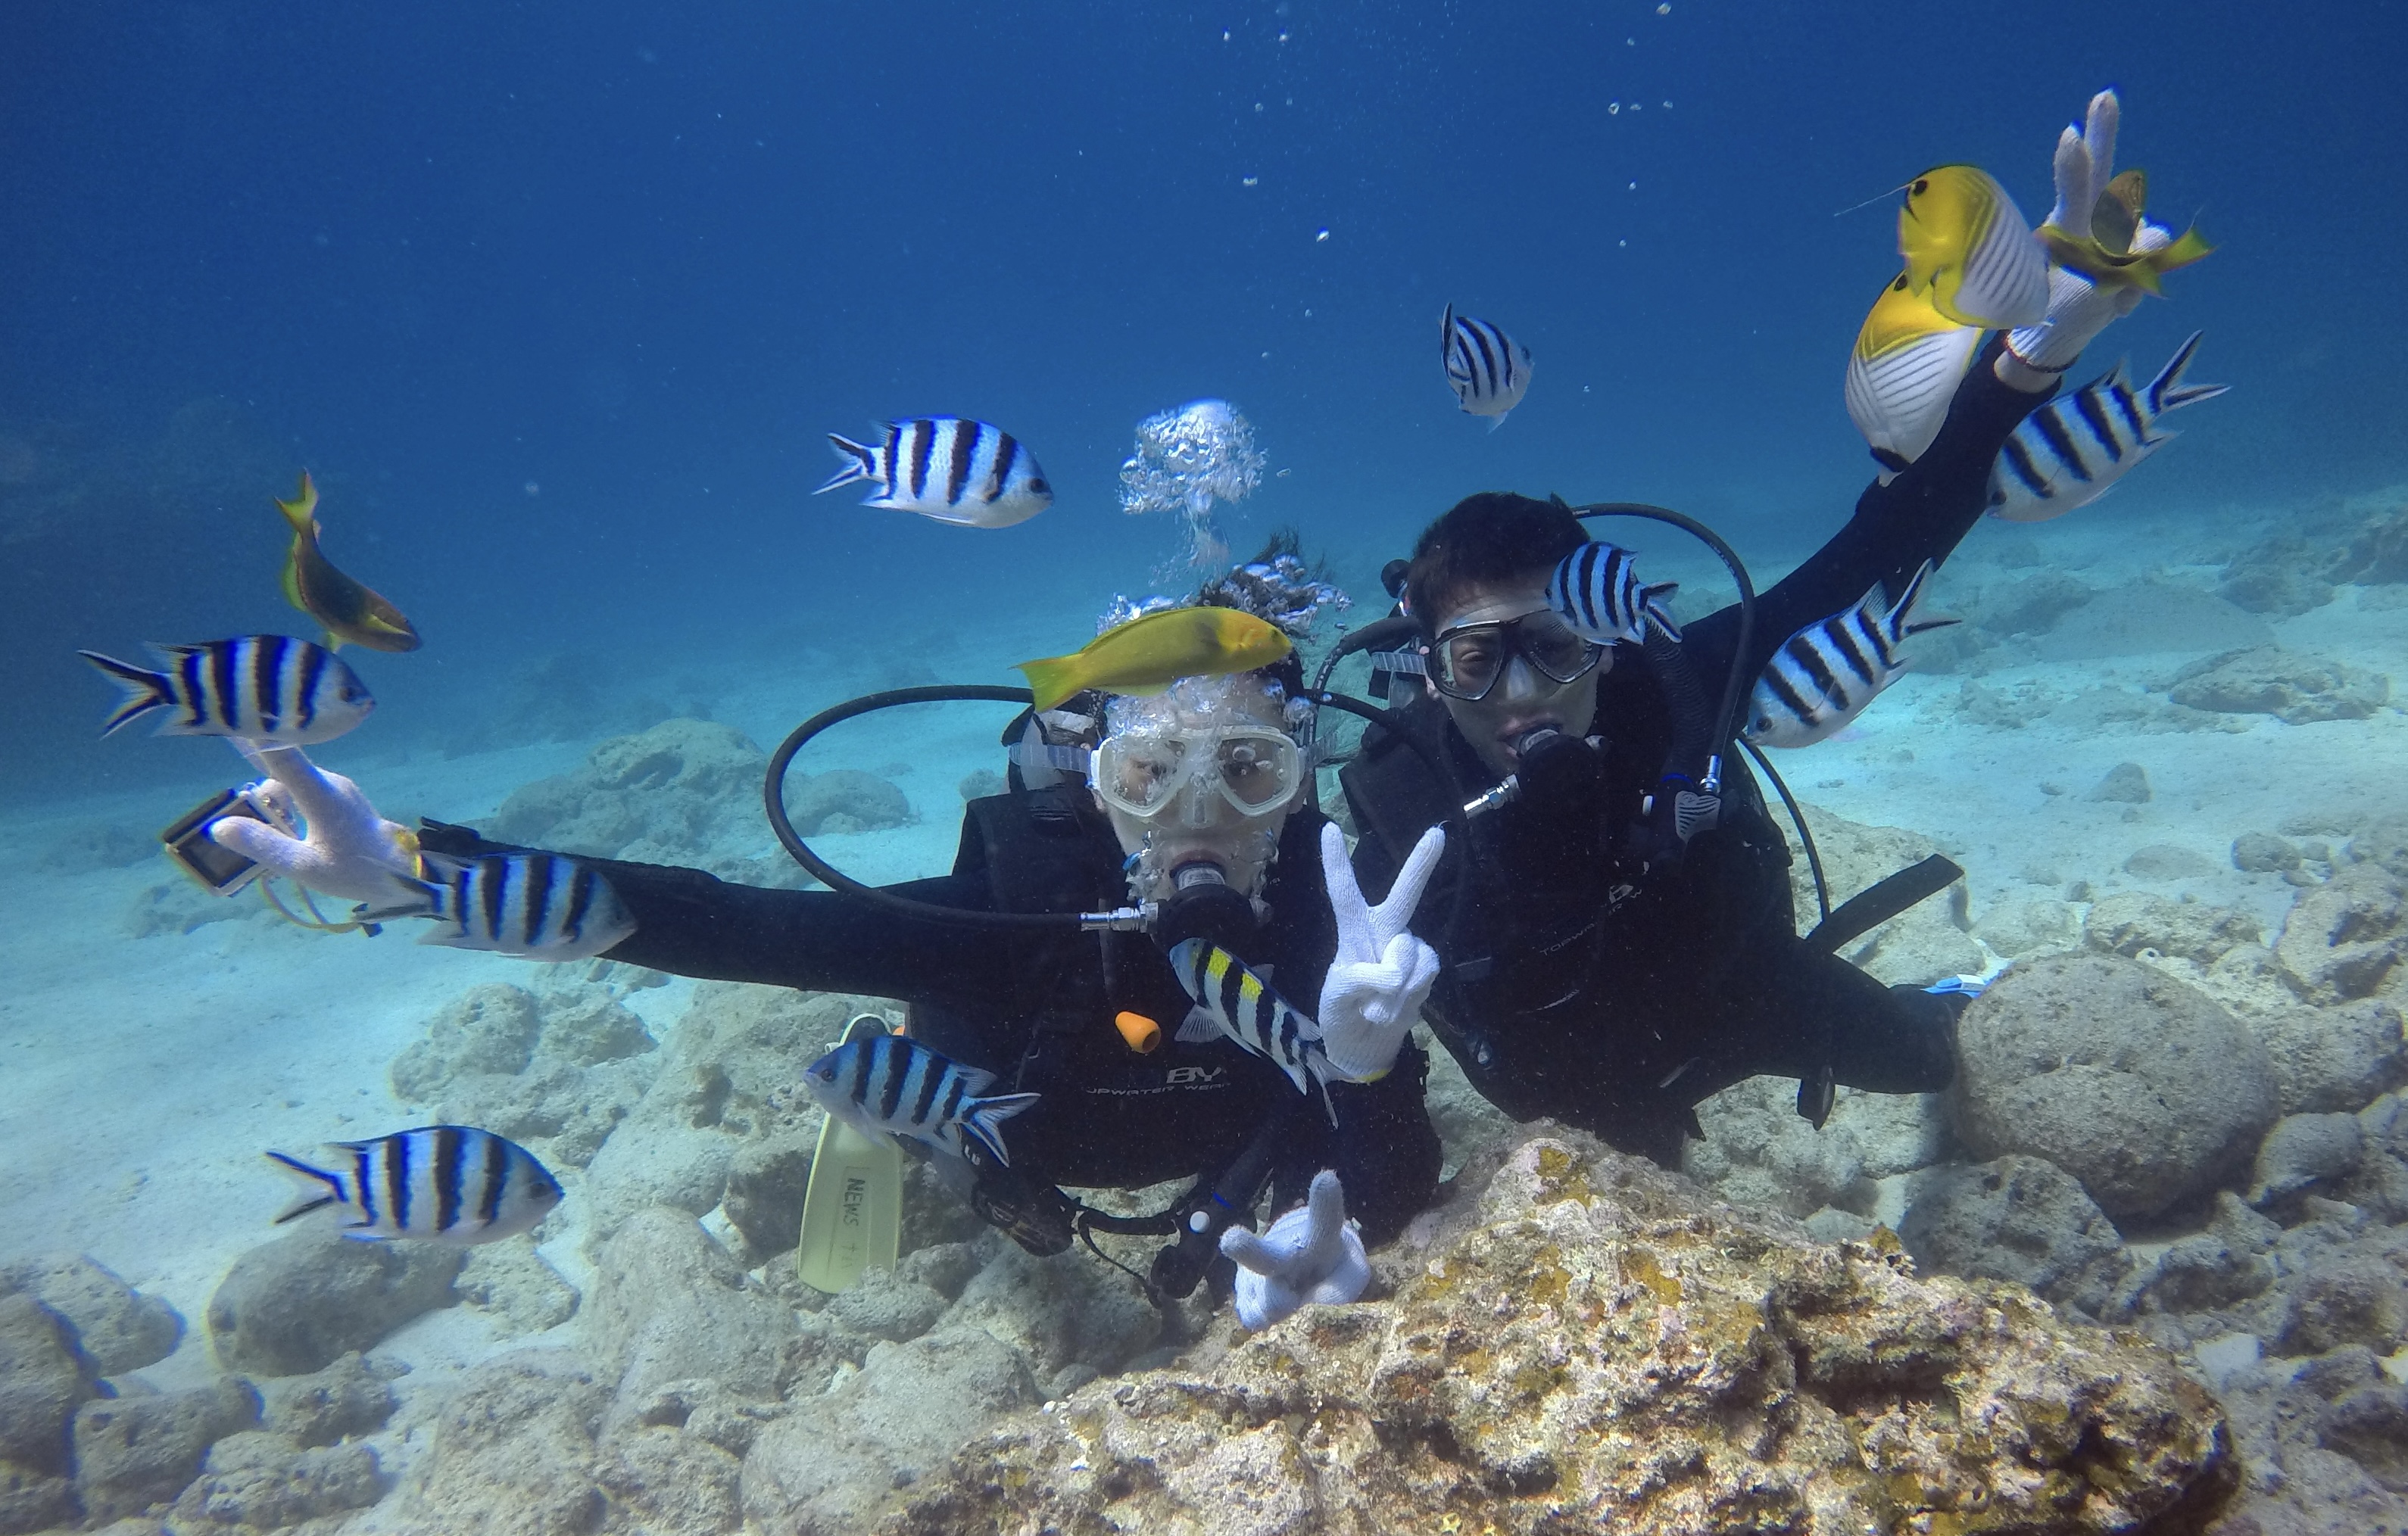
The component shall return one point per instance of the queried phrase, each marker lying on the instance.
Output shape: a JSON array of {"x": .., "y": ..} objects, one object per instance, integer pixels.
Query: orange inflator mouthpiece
[{"x": 1142, "y": 1034}]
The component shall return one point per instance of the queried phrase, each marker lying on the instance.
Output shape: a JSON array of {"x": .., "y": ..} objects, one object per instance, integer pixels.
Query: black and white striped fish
[
  {"x": 1597, "y": 592},
  {"x": 891, "y": 1085},
  {"x": 1823, "y": 677},
  {"x": 545, "y": 906},
  {"x": 448, "y": 1184},
  {"x": 946, "y": 468},
  {"x": 269, "y": 688},
  {"x": 1232, "y": 1001},
  {"x": 2074, "y": 449},
  {"x": 1488, "y": 370}
]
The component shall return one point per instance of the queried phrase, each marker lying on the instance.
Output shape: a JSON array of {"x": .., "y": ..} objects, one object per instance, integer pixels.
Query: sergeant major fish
[
  {"x": 1597, "y": 591},
  {"x": 269, "y": 688},
  {"x": 1824, "y": 676},
  {"x": 890, "y": 1084},
  {"x": 960, "y": 472},
  {"x": 540, "y": 905},
  {"x": 1488, "y": 370},
  {"x": 450, "y": 1184},
  {"x": 1232, "y": 1001},
  {"x": 348, "y": 611},
  {"x": 2074, "y": 449}
]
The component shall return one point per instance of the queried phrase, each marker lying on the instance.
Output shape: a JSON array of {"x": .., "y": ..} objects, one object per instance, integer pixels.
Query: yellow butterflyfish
[
  {"x": 1966, "y": 245},
  {"x": 1147, "y": 655},
  {"x": 2110, "y": 253},
  {"x": 1903, "y": 372}
]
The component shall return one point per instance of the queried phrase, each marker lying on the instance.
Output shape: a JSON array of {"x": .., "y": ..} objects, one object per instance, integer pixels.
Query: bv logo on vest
[{"x": 1194, "y": 1076}]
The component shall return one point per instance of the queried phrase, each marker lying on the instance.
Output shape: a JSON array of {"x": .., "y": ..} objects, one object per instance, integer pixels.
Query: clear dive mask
[{"x": 1255, "y": 770}]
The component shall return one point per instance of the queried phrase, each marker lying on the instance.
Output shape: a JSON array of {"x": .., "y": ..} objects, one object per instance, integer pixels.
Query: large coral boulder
[
  {"x": 2136, "y": 1083},
  {"x": 1589, "y": 1346}
]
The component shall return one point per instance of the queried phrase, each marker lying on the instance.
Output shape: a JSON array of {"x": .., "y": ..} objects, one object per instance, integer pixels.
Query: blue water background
[{"x": 558, "y": 301}]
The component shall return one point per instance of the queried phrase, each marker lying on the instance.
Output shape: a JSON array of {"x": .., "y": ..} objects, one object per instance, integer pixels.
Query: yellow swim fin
[{"x": 852, "y": 1213}]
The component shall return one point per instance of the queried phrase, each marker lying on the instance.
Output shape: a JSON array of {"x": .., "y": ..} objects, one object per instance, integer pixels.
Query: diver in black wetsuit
[
  {"x": 1038, "y": 1008},
  {"x": 1594, "y": 969},
  {"x": 1606, "y": 961}
]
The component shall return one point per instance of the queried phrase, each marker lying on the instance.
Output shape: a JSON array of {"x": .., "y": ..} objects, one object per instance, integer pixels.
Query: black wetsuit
[
  {"x": 1589, "y": 980},
  {"x": 1036, "y": 1006}
]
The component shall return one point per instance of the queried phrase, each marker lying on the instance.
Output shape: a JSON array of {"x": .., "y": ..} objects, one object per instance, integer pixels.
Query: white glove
[
  {"x": 346, "y": 850},
  {"x": 2092, "y": 283},
  {"x": 1313, "y": 1254},
  {"x": 1382, "y": 973}
]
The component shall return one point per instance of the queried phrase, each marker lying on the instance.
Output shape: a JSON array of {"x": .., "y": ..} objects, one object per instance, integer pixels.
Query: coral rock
[
  {"x": 291, "y": 1306},
  {"x": 2126, "y": 782},
  {"x": 2018, "y": 1218},
  {"x": 346, "y": 1398},
  {"x": 2295, "y": 688},
  {"x": 2139, "y": 1085},
  {"x": 2343, "y": 940},
  {"x": 42, "y": 1379},
  {"x": 132, "y": 1453},
  {"x": 512, "y": 1453},
  {"x": 1588, "y": 1345},
  {"x": 117, "y": 1328},
  {"x": 258, "y": 1481}
]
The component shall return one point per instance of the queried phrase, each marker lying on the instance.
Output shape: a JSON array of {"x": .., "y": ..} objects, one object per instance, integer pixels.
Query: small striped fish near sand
[{"x": 450, "y": 1184}]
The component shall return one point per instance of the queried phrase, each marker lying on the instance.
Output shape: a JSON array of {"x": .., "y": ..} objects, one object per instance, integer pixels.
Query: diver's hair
[{"x": 1491, "y": 537}]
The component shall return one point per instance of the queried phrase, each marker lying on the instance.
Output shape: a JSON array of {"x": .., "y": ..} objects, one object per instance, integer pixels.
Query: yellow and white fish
[
  {"x": 1903, "y": 372},
  {"x": 1147, "y": 655},
  {"x": 2099, "y": 226},
  {"x": 1966, "y": 245}
]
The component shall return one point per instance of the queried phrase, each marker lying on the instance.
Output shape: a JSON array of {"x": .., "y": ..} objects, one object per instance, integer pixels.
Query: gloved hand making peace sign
[{"x": 1382, "y": 973}]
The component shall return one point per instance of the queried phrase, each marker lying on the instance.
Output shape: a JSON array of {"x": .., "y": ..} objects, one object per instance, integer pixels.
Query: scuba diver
[
  {"x": 1186, "y": 821},
  {"x": 1615, "y": 921}
]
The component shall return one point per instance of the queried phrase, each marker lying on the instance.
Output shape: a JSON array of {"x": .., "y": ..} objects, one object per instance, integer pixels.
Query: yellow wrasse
[
  {"x": 1147, "y": 655},
  {"x": 1903, "y": 372},
  {"x": 348, "y": 611},
  {"x": 1966, "y": 244},
  {"x": 2104, "y": 254}
]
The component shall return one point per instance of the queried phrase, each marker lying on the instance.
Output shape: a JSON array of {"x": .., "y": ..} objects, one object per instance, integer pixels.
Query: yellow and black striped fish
[{"x": 1233, "y": 1001}]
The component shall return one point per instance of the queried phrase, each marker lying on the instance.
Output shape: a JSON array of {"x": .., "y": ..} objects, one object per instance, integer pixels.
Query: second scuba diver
[
  {"x": 1192, "y": 810},
  {"x": 1608, "y": 961}
]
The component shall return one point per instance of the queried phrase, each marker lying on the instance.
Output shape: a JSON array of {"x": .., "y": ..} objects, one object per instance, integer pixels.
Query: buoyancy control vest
[
  {"x": 1564, "y": 931},
  {"x": 1110, "y": 1115}
]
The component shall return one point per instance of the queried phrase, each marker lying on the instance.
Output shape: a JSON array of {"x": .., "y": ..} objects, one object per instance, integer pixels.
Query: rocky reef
[
  {"x": 1578, "y": 1342},
  {"x": 688, "y": 792}
]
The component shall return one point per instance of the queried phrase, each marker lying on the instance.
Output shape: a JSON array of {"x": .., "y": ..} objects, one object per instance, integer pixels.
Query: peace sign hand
[{"x": 1381, "y": 974}]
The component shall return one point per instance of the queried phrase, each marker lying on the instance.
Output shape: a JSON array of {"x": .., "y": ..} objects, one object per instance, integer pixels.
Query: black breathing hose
[
  {"x": 1735, "y": 684},
  {"x": 773, "y": 796},
  {"x": 1384, "y": 634}
]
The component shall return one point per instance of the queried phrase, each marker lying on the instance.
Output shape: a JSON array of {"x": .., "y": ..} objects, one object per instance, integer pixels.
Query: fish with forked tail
[
  {"x": 2074, "y": 449},
  {"x": 350, "y": 610}
]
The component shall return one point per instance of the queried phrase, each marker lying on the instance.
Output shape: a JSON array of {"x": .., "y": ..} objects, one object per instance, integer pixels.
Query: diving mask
[
  {"x": 1466, "y": 661},
  {"x": 1257, "y": 770}
]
